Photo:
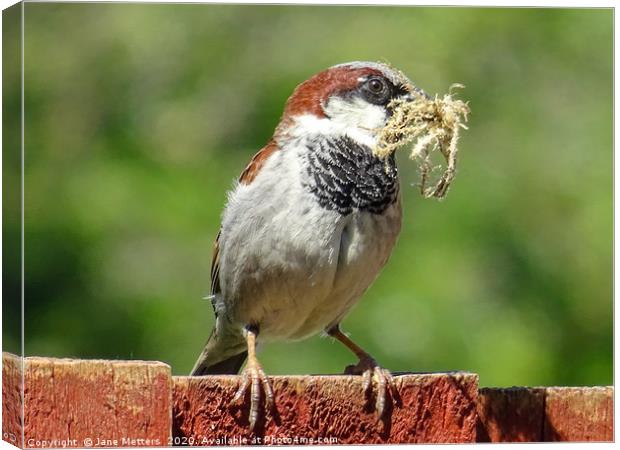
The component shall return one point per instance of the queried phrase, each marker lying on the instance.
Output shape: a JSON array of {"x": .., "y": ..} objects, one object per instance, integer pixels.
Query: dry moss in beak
[{"x": 429, "y": 124}]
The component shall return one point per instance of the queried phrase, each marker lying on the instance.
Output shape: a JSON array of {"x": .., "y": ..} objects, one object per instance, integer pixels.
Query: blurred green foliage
[
  {"x": 11, "y": 184},
  {"x": 139, "y": 118}
]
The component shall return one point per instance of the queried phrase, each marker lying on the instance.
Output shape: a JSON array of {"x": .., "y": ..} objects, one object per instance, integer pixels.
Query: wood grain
[
  {"x": 567, "y": 414},
  {"x": 430, "y": 408},
  {"x": 84, "y": 403},
  {"x": 94, "y": 403},
  {"x": 12, "y": 399},
  {"x": 579, "y": 414},
  {"x": 510, "y": 414}
]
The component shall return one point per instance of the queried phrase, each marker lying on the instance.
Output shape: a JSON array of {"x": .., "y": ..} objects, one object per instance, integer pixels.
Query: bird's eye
[
  {"x": 375, "y": 85},
  {"x": 376, "y": 90}
]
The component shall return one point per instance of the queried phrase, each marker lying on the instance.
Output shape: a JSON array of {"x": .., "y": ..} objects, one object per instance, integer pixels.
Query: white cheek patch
[
  {"x": 356, "y": 113},
  {"x": 309, "y": 124},
  {"x": 353, "y": 117}
]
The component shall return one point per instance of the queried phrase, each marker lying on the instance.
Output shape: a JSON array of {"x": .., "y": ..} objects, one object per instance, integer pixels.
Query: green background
[{"x": 139, "y": 117}]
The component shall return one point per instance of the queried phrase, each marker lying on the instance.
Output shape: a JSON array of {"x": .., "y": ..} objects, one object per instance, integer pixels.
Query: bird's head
[{"x": 351, "y": 98}]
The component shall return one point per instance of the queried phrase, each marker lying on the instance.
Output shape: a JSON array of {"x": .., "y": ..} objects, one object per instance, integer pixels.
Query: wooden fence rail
[{"x": 97, "y": 403}]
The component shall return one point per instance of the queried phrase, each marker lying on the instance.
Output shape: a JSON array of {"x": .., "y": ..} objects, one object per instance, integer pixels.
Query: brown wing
[
  {"x": 215, "y": 266},
  {"x": 252, "y": 169}
]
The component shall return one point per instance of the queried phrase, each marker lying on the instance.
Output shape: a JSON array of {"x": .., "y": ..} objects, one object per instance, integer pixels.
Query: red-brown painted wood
[
  {"x": 429, "y": 408},
  {"x": 78, "y": 403},
  {"x": 12, "y": 399},
  {"x": 510, "y": 415},
  {"x": 568, "y": 414},
  {"x": 579, "y": 414},
  {"x": 86, "y": 403}
]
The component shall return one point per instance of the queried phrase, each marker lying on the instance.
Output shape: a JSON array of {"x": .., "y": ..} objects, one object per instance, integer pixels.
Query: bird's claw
[
  {"x": 253, "y": 377},
  {"x": 372, "y": 372}
]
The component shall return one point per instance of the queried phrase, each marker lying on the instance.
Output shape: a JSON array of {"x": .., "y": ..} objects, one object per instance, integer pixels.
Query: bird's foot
[
  {"x": 372, "y": 372},
  {"x": 253, "y": 377}
]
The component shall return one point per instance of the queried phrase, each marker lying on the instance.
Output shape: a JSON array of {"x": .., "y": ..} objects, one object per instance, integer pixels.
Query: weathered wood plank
[
  {"x": 430, "y": 408},
  {"x": 510, "y": 414},
  {"x": 579, "y": 414},
  {"x": 570, "y": 414},
  {"x": 12, "y": 399},
  {"x": 84, "y": 403},
  {"x": 81, "y": 403}
]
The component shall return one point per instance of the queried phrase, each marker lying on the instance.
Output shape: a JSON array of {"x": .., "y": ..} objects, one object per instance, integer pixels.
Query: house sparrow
[{"x": 307, "y": 228}]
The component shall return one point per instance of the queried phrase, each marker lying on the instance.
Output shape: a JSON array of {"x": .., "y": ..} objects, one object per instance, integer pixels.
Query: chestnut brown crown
[{"x": 311, "y": 96}]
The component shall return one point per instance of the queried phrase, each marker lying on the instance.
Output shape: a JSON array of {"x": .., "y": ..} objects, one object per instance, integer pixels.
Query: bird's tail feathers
[{"x": 220, "y": 358}]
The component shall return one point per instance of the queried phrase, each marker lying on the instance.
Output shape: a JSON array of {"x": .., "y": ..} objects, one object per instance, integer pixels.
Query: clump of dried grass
[{"x": 430, "y": 124}]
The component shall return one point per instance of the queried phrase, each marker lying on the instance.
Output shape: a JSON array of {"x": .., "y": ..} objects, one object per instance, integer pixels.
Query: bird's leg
[
  {"x": 253, "y": 377},
  {"x": 369, "y": 369}
]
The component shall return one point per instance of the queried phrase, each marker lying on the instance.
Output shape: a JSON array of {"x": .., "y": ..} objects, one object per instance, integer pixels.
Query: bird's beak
[{"x": 415, "y": 94}]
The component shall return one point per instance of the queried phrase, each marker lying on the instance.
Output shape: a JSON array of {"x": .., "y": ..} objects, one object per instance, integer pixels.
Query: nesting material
[{"x": 430, "y": 125}]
